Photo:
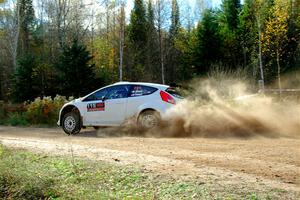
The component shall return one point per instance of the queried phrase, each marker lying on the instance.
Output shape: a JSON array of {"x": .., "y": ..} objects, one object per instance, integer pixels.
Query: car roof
[
  {"x": 159, "y": 86},
  {"x": 156, "y": 85}
]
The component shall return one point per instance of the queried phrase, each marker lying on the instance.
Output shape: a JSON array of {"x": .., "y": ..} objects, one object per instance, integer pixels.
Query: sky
[
  {"x": 182, "y": 3},
  {"x": 214, "y": 3},
  {"x": 195, "y": 14}
]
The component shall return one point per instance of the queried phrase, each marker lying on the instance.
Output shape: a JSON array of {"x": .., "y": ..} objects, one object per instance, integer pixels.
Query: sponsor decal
[
  {"x": 137, "y": 91},
  {"x": 91, "y": 107}
]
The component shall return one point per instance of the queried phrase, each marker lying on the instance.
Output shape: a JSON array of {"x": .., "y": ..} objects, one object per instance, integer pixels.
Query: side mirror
[{"x": 103, "y": 98}]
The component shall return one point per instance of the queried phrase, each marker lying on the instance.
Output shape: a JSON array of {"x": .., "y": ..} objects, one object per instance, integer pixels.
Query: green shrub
[
  {"x": 17, "y": 119},
  {"x": 41, "y": 111},
  {"x": 45, "y": 110}
]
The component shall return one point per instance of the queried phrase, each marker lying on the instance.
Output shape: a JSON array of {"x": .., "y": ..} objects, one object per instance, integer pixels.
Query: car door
[
  {"x": 106, "y": 107},
  {"x": 93, "y": 109},
  {"x": 116, "y": 104}
]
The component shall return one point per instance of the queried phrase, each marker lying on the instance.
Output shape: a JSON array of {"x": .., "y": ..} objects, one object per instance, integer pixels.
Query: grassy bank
[{"x": 26, "y": 175}]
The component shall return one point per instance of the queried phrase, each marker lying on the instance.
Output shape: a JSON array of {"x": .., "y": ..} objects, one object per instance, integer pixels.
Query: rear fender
[{"x": 151, "y": 106}]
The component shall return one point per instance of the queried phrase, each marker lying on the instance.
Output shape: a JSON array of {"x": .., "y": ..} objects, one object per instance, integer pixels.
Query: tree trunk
[
  {"x": 16, "y": 38},
  {"x": 162, "y": 60},
  {"x": 122, "y": 35},
  {"x": 160, "y": 43},
  {"x": 278, "y": 72},
  {"x": 260, "y": 54}
]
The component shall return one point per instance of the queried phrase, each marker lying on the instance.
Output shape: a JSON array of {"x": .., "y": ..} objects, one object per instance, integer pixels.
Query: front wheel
[
  {"x": 149, "y": 119},
  {"x": 71, "y": 123}
]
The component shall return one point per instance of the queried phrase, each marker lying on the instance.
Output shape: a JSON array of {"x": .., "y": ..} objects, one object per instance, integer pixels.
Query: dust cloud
[{"x": 226, "y": 108}]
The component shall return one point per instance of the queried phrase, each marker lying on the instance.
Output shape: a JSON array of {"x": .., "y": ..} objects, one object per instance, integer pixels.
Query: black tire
[
  {"x": 149, "y": 119},
  {"x": 96, "y": 127},
  {"x": 71, "y": 123}
]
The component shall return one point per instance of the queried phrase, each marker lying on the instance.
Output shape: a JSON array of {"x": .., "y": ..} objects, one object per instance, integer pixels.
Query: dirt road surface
[{"x": 253, "y": 162}]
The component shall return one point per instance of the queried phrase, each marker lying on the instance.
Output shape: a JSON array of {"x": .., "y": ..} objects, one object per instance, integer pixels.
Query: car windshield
[{"x": 174, "y": 92}]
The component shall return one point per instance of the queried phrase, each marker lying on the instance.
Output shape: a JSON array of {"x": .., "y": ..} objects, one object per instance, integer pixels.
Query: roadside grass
[{"x": 27, "y": 175}]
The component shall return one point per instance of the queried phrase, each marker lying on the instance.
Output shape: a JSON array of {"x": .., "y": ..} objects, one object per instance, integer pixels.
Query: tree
[
  {"x": 175, "y": 20},
  {"x": 208, "y": 45},
  {"x": 229, "y": 17},
  {"x": 231, "y": 9},
  {"x": 262, "y": 12},
  {"x": 275, "y": 36},
  {"x": 291, "y": 57},
  {"x": 200, "y": 8},
  {"x": 76, "y": 74},
  {"x": 152, "y": 53},
  {"x": 138, "y": 24},
  {"x": 185, "y": 41},
  {"x": 247, "y": 35},
  {"x": 10, "y": 24},
  {"x": 26, "y": 21},
  {"x": 160, "y": 21},
  {"x": 173, "y": 53},
  {"x": 137, "y": 39},
  {"x": 122, "y": 39},
  {"x": 23, "y": 89}
]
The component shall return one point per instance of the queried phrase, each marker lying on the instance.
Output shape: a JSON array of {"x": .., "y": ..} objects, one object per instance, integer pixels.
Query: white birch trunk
[
  {"x": 122, "y": 35},
  {"x": 260, "y": 54}
]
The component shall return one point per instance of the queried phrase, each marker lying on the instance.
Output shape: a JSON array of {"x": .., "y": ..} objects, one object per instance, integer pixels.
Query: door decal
[{"x": 91, "y": 107}]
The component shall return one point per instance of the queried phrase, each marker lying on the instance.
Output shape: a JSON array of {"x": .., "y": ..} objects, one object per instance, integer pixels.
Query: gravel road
[{"x": 256, "y": 161}]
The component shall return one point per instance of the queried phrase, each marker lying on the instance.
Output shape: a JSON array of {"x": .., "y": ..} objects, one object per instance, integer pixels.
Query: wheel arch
[
  {"x": 67, "y": 109},
  {"x": 147, "y": 109}
]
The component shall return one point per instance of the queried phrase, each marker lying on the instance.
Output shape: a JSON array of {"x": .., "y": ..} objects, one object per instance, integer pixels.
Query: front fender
[{"x": 64, "y": 109}]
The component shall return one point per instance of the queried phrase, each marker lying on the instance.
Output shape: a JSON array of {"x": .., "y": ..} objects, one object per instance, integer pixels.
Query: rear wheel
[
  {"x": 149, "y": 119},
  {"x": 71, "y": 123}
]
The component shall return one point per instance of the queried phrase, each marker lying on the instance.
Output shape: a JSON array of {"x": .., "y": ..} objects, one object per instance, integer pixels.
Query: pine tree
[
  {"x": 208, "y": 48},
  {"x": 231, "y": 12},
  {"x": 138, "y": 40},
  {"x": 247, "y": 35},
  {"x": 77, "y": 75},
  {"x": 26, "y": 21},
  {"x": 152, "y": 62},
  {"x": 138, "y": 24},
  {"x": 173, "y": 53},
  {"x": 175, "y": 20},
  {"x": 229, "y": 24},
  {"x": 23, "y": 89}
]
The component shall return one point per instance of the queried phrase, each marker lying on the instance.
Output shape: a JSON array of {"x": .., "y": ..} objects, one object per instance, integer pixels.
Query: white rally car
[{"x": 113, "y": 104}]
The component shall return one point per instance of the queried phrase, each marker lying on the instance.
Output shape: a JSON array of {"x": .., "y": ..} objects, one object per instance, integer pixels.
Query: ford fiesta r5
[{"x": 113, "y": 104}]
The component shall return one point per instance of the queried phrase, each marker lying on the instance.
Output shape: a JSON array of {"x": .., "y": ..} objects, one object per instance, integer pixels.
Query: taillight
[{"x": 166, "y": 97}]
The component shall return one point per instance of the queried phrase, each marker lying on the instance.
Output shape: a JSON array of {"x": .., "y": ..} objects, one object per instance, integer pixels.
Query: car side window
[
  {"x": 118, "y": 92},
  {"x": 140, "y": 90},
  {"x": 96, "y": 96}
]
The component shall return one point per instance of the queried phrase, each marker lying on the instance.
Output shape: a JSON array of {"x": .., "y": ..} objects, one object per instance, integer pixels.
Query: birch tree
[
  {"x": 10, "y": 21},
  {"x": 161, "y": 18},
  {"x": 122, "y": 39},
  {"x": 275, "y": 36}
]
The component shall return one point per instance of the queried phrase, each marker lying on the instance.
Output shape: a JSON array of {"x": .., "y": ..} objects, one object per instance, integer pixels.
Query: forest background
[{"x": 71, "y": 47}]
